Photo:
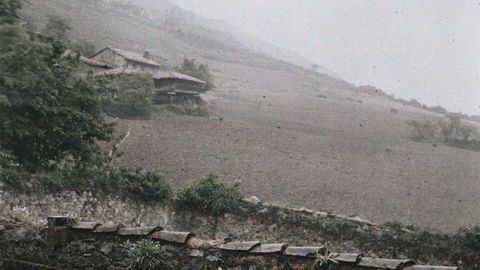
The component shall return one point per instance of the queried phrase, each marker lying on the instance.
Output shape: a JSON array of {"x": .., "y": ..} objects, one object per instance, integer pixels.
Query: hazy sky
[{"x": 428, "y": 50}]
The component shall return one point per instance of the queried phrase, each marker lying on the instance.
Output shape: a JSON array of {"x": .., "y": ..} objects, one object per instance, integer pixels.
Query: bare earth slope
[
  {"x": 303, "y": 150},
  {"x": 291, "y": 137}
]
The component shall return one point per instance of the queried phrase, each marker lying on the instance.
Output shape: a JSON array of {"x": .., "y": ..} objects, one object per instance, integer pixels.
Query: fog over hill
[{"x": 179, "y": 18}]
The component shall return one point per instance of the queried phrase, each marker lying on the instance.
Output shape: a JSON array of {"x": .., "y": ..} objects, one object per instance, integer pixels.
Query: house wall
[
  {"x": 189, "y": 86},
  {"x": 86, "y": 69},
  {"x": 177, "y": 84},
  {"x": 111, "y": 58},
  {"x": 132, "y": 65}
]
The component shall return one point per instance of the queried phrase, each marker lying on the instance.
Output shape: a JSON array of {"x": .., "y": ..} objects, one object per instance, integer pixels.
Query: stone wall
[
  {"x": 254, "y": 221},
  {"x": 69, "y": 244}
]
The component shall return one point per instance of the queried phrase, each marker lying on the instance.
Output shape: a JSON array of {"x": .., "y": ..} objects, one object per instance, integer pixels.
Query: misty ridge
[{"x": 175, "y": 127}]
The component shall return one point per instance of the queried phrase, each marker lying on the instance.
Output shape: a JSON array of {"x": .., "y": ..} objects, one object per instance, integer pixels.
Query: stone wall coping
[{"x": 255, "y": 248}]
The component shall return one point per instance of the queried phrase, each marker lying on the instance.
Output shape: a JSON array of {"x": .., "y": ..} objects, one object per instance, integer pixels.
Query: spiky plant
[
  {"x": 145, "y": 255},
  {"x": 324, "y": 260}
]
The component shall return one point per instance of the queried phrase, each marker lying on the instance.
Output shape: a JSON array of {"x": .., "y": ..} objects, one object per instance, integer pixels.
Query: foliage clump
[
  {"x": 84, "y": 47},
  {"x": 57, "y": 27},
  {"x": 450, "y": 130},
  {"x": 132, "y": 96},
  {"x": 143, "y": 184},
  {"x": 468, "y": 238},
  {"x": 145, "y": 255},
  {"x": 50, "y": 117},
  {"x": 210, "y": 195},
  {"x": 201, "y": 71},
  {"x": 337, "y": 228}
]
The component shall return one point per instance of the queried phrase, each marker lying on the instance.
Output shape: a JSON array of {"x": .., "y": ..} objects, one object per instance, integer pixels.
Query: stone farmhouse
[
  {"x": 170, "y": 86},
  {"x": 126, "y": 60}
]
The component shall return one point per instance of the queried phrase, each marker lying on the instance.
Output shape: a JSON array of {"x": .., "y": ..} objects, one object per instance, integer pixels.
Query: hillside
[
  {"x": 290, "y": 136},
  {"x": 168, "y": 13}
]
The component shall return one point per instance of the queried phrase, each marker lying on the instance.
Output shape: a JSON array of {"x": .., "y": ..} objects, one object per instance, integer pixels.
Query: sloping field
[
  {"x": 290, "y": 137},
  {"x": 288, "y": 146}
]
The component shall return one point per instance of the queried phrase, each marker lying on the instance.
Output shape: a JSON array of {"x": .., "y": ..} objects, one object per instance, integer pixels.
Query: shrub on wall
[
  {"x": 210, "y": 195},
  {"x": 135, "y": 183},
  {"x": 146, "y": 185}
]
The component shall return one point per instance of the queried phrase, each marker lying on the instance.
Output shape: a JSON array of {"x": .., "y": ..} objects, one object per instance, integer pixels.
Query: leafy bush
[
  {"x": 210, "y": 195},
  {"x": 132, "y": 96},
  {"x": 14, "y": 178},
  {"x": 337, "y": 228},
  {"x": 422, "y": 130},
  {"x": 84, "y": 47},
  {"x": 146, "y": 185},
  {"x": 201, "y": 72},
  {"x": 135, "y": 183},
  {"x": 145, "y": 255},
  {"x": 57, "y": 27},
  {"x": 468, "y": 238},
  {"x": 449, "y": 130}
]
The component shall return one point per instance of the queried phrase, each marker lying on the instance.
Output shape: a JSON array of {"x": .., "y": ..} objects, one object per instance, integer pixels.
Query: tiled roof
[
  {"x": 176, "y": 75},
  {"x": 120, "y": 71},
  {"x": 94, "y": 63},
  {"x": 248, "y": 247},
  {"x": 132, "y": 56}
]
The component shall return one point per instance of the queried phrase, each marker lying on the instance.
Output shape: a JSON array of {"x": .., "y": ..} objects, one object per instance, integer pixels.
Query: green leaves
[
  {"x": 147, "y": 185},
  {"x": 48, "y": 114},
  {"x": 201, "y": 72},
  {"x": 210, "y": 195},
  {"x": 9, "y": 11},
  {"x": 133, "y": 96},
  {"x": 145, "y": 255}
]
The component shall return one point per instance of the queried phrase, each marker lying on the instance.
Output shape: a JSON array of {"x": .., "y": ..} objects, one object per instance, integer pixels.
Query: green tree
[
  {"x": 9, "y": 11},
  {"x": 133, "y": 96},
  {"x": 57, "y": 27},
  {"x": 84, "y": 47},
  {"x": 48, "y": 115},
  {"x": 8, "y": 22},
  {"x": 201, "y": 72}
]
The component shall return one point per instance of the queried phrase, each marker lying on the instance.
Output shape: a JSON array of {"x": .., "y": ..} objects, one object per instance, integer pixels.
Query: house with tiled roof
[{"x": 175, "y": 87}]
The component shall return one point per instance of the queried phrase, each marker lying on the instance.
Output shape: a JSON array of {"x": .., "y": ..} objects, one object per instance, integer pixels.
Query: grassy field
[{"x": 289, "y": 136}]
